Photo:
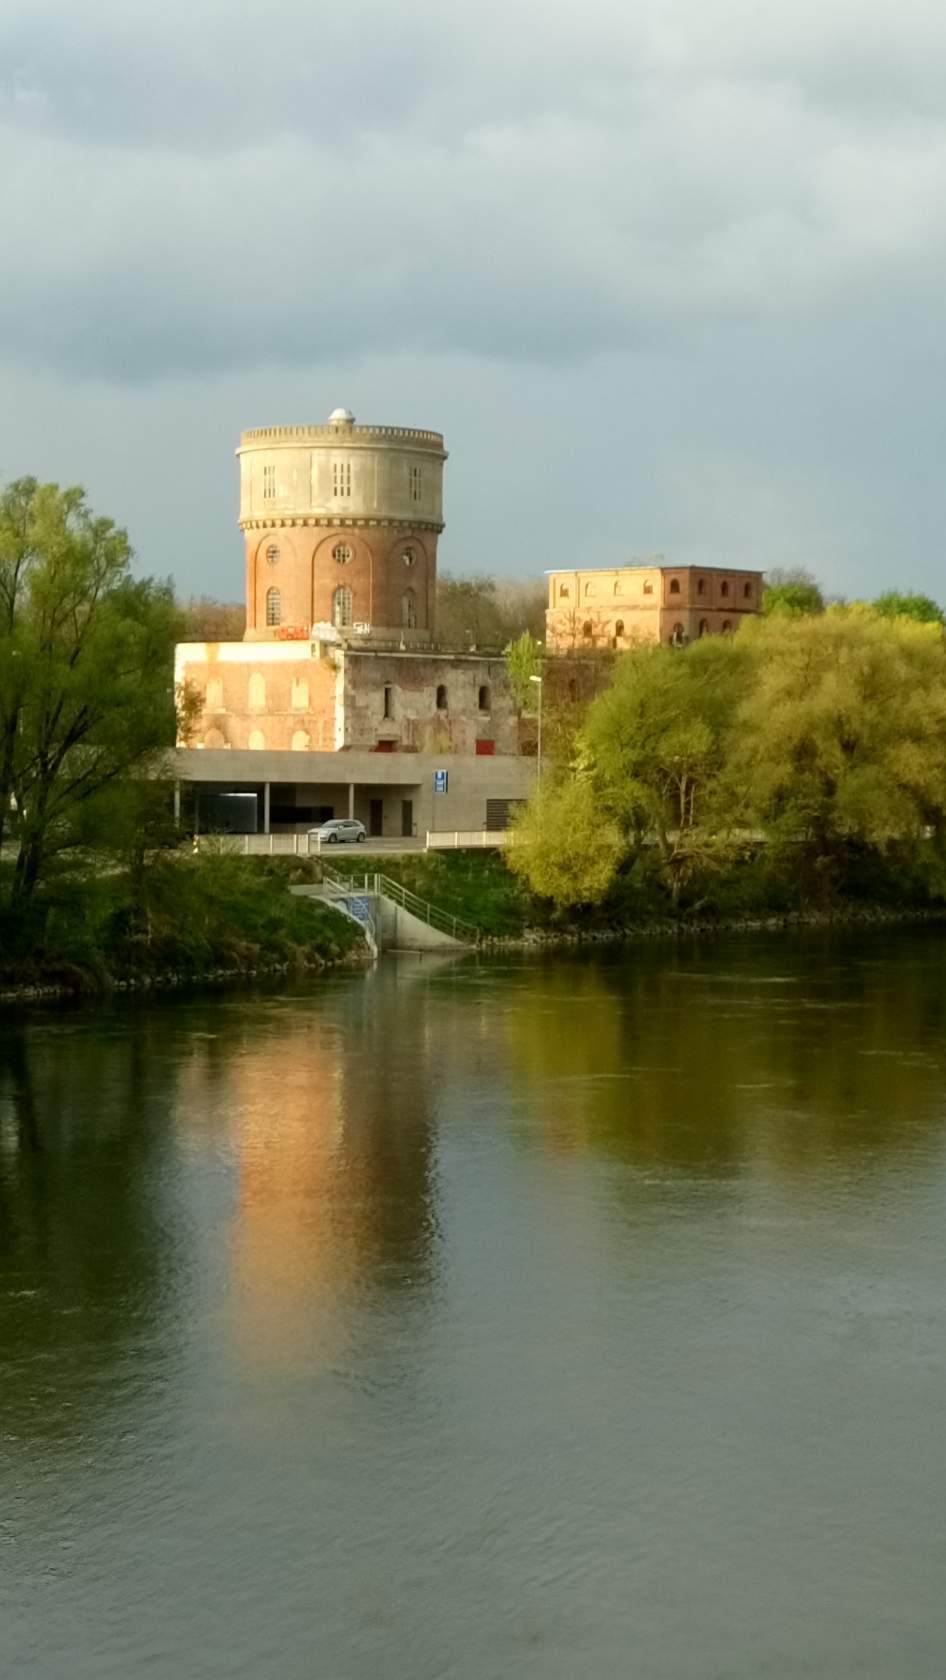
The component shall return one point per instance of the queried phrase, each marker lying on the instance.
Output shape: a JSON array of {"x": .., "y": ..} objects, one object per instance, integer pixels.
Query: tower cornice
[{"x": 275, "y": 522}]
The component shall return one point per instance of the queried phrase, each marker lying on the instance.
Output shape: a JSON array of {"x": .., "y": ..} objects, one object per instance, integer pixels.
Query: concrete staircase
[{"x": 391, "y": 917}]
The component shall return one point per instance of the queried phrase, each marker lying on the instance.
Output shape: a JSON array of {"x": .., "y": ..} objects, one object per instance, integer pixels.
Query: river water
[{"x": 563, "y": 1318}]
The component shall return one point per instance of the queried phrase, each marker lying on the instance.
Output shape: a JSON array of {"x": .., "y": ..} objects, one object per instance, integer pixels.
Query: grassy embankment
[
  {"x": 762, "y": 885},
  {"x": 180, "y": 920}
]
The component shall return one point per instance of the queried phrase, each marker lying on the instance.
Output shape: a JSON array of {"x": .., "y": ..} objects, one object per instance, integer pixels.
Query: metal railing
[
  {"x": 442, "y": 920},
  {"x": 458, "y": 839},
  {"x": 353, "y": 887}
]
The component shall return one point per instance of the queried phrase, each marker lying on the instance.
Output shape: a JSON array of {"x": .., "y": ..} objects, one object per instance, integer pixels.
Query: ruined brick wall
[
  {"x": 428, "y": 703},
  {"x": 272, "y": 704}
]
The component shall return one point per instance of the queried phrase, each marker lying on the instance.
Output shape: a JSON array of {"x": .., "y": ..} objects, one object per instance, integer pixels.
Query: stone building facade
[
  {"x": 337, "y": 700},
  {"x": 327, "y": 697},
  {"x": 590, "y": 610},
  {"x": 340, "y": 525}
]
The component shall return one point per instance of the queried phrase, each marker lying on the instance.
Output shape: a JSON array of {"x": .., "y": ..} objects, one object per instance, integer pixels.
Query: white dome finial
[{"x": 341, "y": 417}]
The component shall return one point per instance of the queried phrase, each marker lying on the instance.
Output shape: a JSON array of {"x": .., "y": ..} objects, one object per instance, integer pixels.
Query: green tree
[
  {"x": 648, "y": 760},
  {"x": 842, "y": 736},
  {"x": 86, "y": 657},
  {"x": 791, "y": 592},
  {"x": 656, "y": 742},
  {"x": 523, "y": 662},
  {"x": 922, "y": 608},
  {"x": 562, "y": 845}
]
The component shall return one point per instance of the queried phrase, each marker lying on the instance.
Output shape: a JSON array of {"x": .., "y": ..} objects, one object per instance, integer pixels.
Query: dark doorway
[
  {"x": 407, "y": 818},
  {"x": 376, "y": 817}
]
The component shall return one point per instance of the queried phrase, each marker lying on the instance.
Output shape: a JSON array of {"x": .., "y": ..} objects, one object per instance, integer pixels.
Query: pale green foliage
[
  {"x": 842, "y": 734},
  {"x": 523, "y": 662},
  {"x": 86, "y": 660},
  {"x": 563, "y": 845},
  {"x": 824, "y": 735},
  {"x": 791, "y": 593},
  {"x": 895, "y": 604}
]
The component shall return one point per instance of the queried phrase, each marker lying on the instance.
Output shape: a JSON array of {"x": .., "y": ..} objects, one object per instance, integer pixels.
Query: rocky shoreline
[
  {"x": 850, "y": 916},
  {"x": 43, "y": 991}
]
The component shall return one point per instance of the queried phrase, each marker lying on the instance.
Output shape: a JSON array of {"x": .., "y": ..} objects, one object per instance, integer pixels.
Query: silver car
[{"x": 340, "y": 828}]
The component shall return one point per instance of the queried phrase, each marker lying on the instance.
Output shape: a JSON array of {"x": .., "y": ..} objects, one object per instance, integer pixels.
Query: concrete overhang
[{"x": 232, "y": 764}]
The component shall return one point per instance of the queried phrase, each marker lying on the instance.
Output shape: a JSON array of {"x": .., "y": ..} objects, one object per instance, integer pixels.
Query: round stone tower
[{"x": 341, "y": 524}]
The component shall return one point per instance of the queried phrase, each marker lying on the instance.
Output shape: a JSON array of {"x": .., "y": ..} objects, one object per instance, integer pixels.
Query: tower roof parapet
[{"x": 411, "y": 436}]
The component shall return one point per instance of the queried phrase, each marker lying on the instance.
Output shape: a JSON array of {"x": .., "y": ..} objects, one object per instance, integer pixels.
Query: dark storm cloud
[
  {"x": 666, "y": 272},
  {"x": 197, "y": 187}
]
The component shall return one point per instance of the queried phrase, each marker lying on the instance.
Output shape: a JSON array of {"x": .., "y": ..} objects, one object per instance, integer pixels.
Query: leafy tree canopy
[
  {"x": 563, "y": 844},
  {"x": 841, "y": 733},
  {"x": 791, "y": 592},
  {"x": 523, "y": 662},
  {"x": 894, "y": 604},
  {"x": 823, "y": 736},
  {"x": 86, "y": 661}
]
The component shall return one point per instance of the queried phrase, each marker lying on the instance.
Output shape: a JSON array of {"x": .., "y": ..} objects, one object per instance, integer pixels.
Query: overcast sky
[{"x": 668, "y": 274}]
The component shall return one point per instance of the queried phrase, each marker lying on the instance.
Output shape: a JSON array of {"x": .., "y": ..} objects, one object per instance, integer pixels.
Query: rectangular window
[
  {"x": 415, "y": 484},
  {"x": 341, "y": 478},
  {"x": 388, "y": 700},
  {"x": 269, "y": 484}
]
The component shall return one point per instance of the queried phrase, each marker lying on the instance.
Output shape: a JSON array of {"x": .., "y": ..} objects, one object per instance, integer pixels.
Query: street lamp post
[{"x": 538, "y": 681}]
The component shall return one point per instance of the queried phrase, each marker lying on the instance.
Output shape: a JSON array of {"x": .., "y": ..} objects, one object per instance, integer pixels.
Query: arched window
[
  {"x": 679, "y": 635},
  {"x": 341, "y": 554},
  {"x": 724, "y": 587},
  {"x": 648, "y": 588},
  {"x": 272, "y": 554},
  {"x": 619, "y": 627},
  {"x": 563, "y": 591},
  {"x": 674, "y": 586},
  {"x": 572, "y": 689},
  {"x": 586, "y": 630},
  {"x": 257, "y": 693},
  {"x": 409, "y": 557},
  {"x": 300, "y": 741},
  {"x": 341, "y": 608},
  {"x": 214, "y": 699},
  {"x": 727, "y": 627},
  {"x": 704, "y": 627},
  {"x": 589, "y": 588},
  {"x": 273, "y": 607},
  {"x": 700, "y": 585},
  {"x": 214, "y": 738},
  {"x": 442, "y": 697},
  {"x": 484, "y": 699},
  {"x": 257, "y": 741},
  {"x": 747, "y": 590},
  {"x": 409, "y": 610}
]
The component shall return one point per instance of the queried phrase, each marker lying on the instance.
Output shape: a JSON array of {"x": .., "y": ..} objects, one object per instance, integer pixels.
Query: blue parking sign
[{"x": 440, "y": 781}]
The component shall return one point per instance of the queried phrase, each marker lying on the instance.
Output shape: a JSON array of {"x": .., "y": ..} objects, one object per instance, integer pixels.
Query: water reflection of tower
[{"x": 329, "y": 1117}]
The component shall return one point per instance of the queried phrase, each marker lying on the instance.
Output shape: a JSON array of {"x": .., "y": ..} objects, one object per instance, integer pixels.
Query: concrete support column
[
  {"x": 351, "y": 799},
  {"x": 265, "y": 807}
]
